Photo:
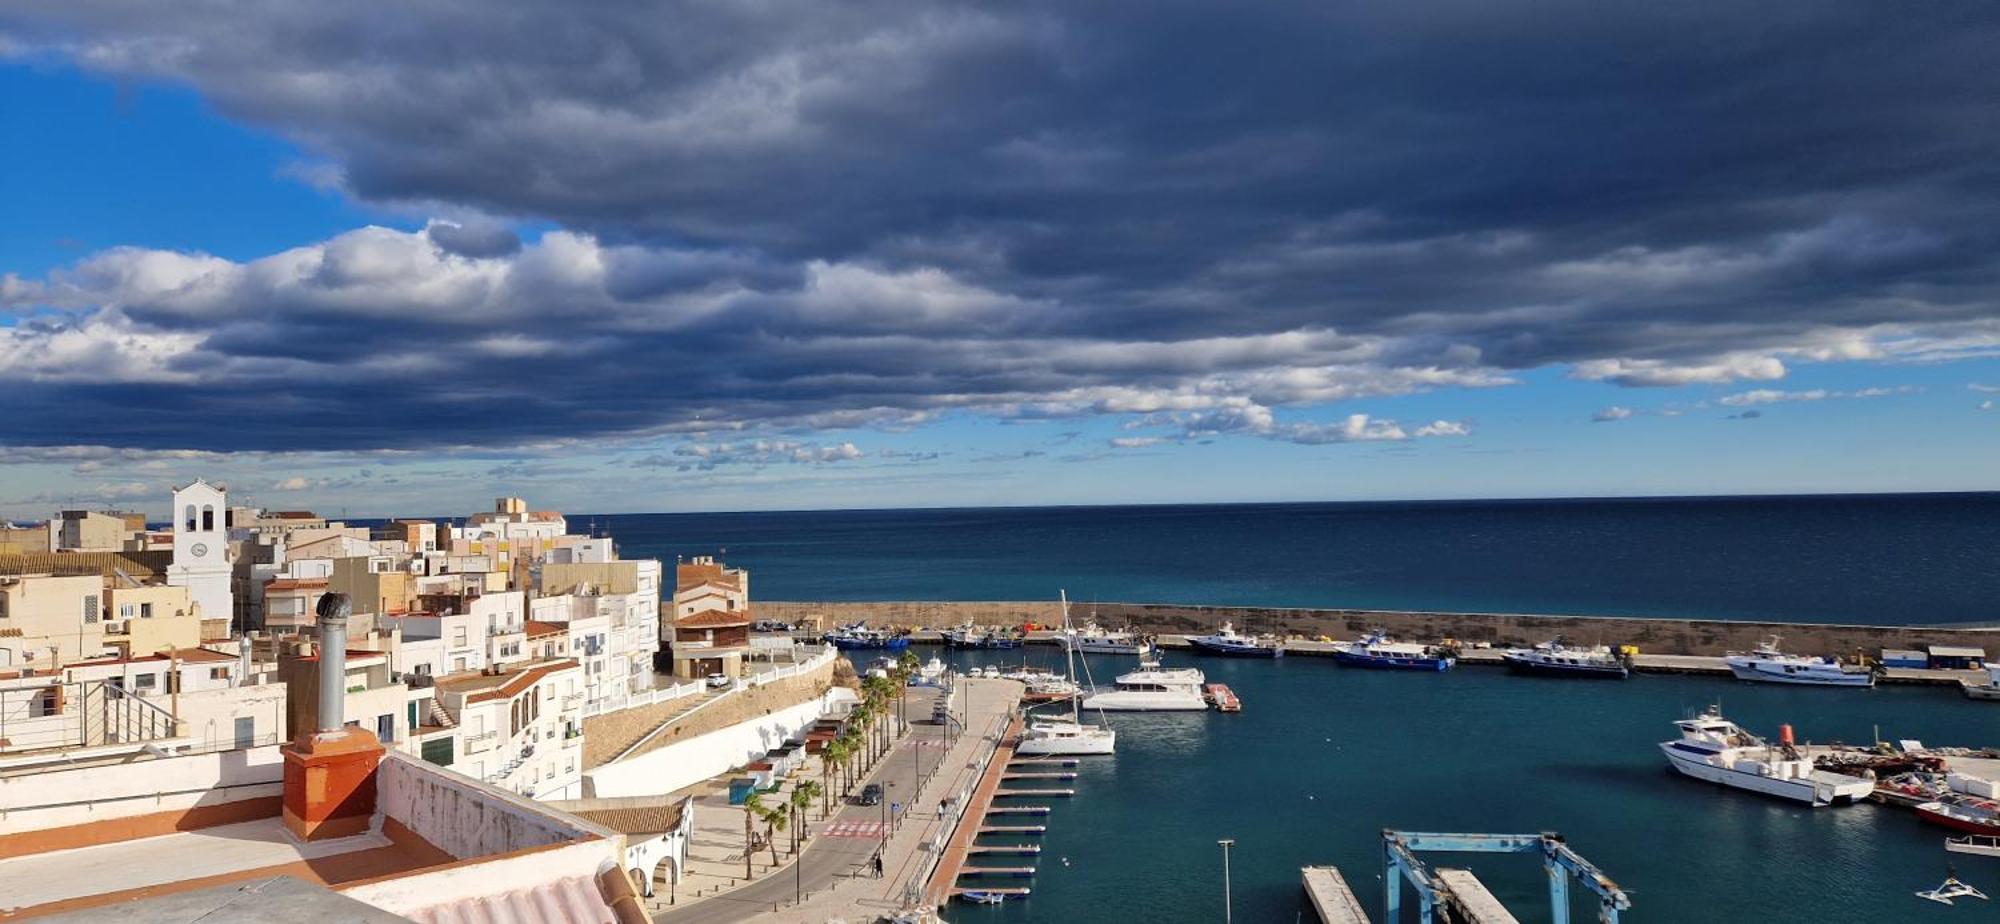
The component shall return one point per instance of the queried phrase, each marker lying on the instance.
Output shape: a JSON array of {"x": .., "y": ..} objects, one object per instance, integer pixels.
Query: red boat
[{"x": 1960, "y": 818}]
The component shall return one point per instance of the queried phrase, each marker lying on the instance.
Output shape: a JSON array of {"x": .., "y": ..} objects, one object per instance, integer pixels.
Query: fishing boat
[
  {"x": 979, "y": 897},
  {"x": 1067, "y": 736},
  {"x": 1975, "y": 816},
  {"x": 1989, "y": 690},
  {"x": 1951, "y": 888},
  {"x": 1379, "y": 651},
  {"x": 1092, "y": 639},
  {"x": 1153, "y": 688},
  {"x": 1230, "y": 644},
  {"x": 1715, "y": 749},
  {"x": 1556, "y": 659},
  {"x": 858, "y": 637},
  {"x": 1984, "y": 845},
  {"x": 1768, "y": 664},
  {"x": 968, "y": 635}
]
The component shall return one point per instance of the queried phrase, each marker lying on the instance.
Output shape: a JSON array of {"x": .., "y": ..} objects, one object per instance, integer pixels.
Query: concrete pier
[
  {"x": 1331, "y": 899},
  {"x": 1475, "y": 903}
]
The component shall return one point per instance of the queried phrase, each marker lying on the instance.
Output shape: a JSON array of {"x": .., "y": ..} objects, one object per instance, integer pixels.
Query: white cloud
[
  {"x": 1668, "y": 373},
  {"x": 1612, "y": 413},
  {"x": 294, "y": 483},
  {"x": 1774, "y": 396}
]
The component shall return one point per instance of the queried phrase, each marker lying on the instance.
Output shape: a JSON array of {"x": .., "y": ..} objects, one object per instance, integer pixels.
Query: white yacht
[
  {"x": 1713, "y": 748},
  {"x": 1767, "y": 664},
  {"x": 1066, "y": 736},
  {"x": 1153, "y": 688},
  {"x": 1093, "y": 639}
]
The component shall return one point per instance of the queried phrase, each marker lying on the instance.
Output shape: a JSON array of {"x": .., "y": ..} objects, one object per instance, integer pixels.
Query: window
[
  {"x": 145, "y": 611},
  {"x": 457, "y": 664},
  {"x": 90, "y": 612},
  {"x": 125, "y": 610},
  {"x": 458, "y": 637},
  {"x": 146, "y": 682},
  {"x": 190, "y": 518},
  {"x": 207, "y": 519},
  {"x": 218, "y": 673}
]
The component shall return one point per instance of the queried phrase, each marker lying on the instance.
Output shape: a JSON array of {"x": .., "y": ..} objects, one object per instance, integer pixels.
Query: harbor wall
[{"x": 1652, "y": 635}]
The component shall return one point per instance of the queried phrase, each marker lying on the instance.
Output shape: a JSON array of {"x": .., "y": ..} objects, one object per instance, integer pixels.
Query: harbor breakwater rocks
[{"x": 1653, "y": 635}]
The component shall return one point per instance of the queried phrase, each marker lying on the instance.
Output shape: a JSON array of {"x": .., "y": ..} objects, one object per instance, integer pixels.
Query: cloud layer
[{"x": 874, "y": 213}]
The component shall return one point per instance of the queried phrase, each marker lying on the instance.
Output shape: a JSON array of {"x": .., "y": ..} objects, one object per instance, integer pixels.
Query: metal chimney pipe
[
  {"x": 243, "y": 660},
  {"x": 333, "y": 612}
]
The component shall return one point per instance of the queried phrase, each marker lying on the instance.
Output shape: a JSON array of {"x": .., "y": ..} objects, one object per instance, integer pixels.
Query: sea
[
  {"x": 1323, "y": 758},
  {"x": 1912, "y": 559}
]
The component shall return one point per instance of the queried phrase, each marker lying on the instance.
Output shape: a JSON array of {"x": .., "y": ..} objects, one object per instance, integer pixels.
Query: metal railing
[{"x": 78, "y": 714}]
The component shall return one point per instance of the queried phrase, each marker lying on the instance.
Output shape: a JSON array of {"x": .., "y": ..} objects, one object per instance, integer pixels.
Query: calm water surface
[
  {"x": 1899, "y": 559},
  {"x": 1324, "y": 757}
]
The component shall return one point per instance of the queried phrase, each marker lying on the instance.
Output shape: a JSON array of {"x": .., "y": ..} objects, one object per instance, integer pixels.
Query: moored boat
[
  {"x": 1983, "y": 845},
  {"x": 1971, "y": 817},
  {"x": 1065, "y": 736},
  {"x": 1715, "y": 749},
  {"x": 1989, "y": 690},
  {"x": 858, "y": 637},
  {"x": 1153, "y": 688},
  {"x": 1378, "y": 651},
  {"x": 971, "y": 636},
  {"x": 1768, "y": 664},
  {"x": 1092, "y": 639},
  {"x": 1556, "y": 659},
  {"x": 1229, "y": 643}
]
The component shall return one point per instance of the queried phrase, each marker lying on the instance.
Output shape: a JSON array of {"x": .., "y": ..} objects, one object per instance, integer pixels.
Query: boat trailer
[{"x": 1400, "y": 863}]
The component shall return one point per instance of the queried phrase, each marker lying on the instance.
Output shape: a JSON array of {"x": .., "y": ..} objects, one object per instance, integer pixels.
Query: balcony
[{"x": 479, "y": 743}]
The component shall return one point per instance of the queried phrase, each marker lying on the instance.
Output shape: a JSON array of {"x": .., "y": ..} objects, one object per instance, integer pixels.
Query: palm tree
[
  {"x": 802, "y": 800},
  {"x": 775, "y": 819},
  {"x": 753, "y": 806},
  {"x": 829, "y": 759}
]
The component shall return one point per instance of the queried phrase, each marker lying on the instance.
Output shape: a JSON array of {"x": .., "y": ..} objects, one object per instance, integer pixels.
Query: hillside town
[{"x": 390, "y": 713}]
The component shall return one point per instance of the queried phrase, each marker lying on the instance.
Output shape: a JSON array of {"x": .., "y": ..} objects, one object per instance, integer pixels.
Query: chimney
[
  {"x": 243, "y": 659},
  {"x": 330, "y": 771}
]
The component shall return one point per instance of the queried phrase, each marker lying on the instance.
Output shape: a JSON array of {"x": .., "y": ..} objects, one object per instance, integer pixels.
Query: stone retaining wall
[
  {"x": 604, "y": 736},
  {"x": 1652, "y": 635}
]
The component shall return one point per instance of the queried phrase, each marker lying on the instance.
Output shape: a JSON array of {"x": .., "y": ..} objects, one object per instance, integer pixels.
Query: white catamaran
[{"x": 1059, "y": 736}]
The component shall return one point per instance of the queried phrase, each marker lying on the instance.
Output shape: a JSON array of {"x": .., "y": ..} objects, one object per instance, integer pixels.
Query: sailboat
[{"x": 1067, "y": 737}]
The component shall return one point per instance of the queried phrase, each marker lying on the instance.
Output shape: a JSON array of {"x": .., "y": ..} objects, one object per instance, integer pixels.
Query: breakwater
[{"x": 1709, "y": 637}]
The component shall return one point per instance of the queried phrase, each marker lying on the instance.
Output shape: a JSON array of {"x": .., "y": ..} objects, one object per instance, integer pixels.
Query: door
[
  {"x": 246, "y": 731},
  {"x": 385, "y": 727}
]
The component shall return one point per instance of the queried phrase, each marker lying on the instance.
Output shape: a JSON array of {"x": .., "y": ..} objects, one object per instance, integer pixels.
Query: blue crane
[{"x": 1401, "y": 864}]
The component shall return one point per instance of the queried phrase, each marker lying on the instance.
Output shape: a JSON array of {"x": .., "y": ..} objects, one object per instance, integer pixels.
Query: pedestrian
[{"x": 878, "y": 866}]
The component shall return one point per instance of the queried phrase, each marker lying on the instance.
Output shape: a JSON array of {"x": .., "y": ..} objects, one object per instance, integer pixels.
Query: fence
[{"x": 76, "y": 715}]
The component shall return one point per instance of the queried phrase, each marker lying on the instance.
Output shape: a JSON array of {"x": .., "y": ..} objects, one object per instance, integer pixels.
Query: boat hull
[
  {"x": 848, "y": 644},
  {"x": 1372, "y": 662},
  {"x": 1807, "y": 792},
  {"x": 1236, "y": 651},
  {"x": 1589, "y": 671},
  {"x": 1957, "y": 823},
  {"x": 1085, "y": 646},
  {"x": 1756, "y": 674},
  {"x": 1081, "y": 746},
  {"x": 1980, "y": 691},
  {"x": 1138, "y": 702}
]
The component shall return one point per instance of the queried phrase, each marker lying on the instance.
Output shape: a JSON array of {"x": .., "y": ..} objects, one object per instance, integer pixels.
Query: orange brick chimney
[{"x": 330, "y": 771}]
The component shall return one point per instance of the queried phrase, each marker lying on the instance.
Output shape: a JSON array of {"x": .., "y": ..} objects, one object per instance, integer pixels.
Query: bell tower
[{"x": 201, "y": 549}]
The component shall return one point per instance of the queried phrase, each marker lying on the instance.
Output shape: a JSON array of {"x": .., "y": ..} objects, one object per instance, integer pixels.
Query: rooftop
[
  {"x": 714, "y": 619},
  {"x": 479, "y": 687}
]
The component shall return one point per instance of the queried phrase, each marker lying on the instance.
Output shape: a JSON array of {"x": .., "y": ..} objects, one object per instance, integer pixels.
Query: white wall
[
  {"x": 688, "y": 762},
  {"x": 465, "y": 818},
  {"x": 58, "y": 798}
]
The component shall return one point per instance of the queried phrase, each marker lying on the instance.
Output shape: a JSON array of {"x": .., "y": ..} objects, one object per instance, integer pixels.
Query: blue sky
[{"x": 836, "y": 260}]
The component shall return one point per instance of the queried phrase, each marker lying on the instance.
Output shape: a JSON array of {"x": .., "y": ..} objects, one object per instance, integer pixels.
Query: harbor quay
[{"x": 1651, "y": 635}]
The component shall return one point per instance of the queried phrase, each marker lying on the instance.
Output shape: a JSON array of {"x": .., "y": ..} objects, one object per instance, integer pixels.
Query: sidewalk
[{"x": 837, "y": 877}]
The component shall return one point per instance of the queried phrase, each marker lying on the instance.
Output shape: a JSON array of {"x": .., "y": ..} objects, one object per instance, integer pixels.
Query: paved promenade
[{"x": 835, "y": 874}]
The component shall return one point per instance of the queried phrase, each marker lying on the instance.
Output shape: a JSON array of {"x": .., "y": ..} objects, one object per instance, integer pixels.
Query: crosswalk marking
[{"x": 870, "y": 829}]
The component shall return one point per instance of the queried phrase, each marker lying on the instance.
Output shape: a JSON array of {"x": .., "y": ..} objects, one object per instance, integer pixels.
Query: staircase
[{"x": 437, "y": 716}]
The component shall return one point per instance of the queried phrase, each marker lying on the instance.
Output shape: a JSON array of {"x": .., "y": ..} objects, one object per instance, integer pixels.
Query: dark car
[{"x": 871, "y": 794}]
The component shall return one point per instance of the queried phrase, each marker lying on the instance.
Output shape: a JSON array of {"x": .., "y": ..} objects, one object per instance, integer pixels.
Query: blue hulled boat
[
  {"x": 859, "y": 637},
  {"x": 1376, "y": 650}
]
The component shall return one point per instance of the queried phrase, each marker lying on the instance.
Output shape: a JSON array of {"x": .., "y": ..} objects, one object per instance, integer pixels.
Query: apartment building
[{"x": 520, "y": 729}]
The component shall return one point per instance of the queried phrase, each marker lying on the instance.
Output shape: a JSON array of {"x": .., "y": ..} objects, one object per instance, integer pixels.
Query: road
[{"x": 830, "y": 857}]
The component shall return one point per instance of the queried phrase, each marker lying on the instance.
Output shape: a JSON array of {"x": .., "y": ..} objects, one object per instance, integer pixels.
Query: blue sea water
[
  {"x": 1323, "y": 757},
  {"x": 1876, "y": 559}
]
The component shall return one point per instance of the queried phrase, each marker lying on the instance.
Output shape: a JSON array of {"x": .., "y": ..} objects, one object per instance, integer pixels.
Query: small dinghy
[
  {"x": 1951, "y": 888},
  {"x": 984, "y": 898}
]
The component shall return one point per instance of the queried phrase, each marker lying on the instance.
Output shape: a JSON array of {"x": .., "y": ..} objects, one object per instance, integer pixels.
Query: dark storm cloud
[{"x": 879, "y": 211}]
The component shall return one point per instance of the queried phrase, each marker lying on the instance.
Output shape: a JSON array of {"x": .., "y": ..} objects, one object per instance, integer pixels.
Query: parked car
[
  {"x": 718, "y": 681},
  {"x": 770, "y": 625},
  {"x": 871, "y": 794}
]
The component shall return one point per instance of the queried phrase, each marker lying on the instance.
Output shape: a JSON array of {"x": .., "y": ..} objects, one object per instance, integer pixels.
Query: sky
[{"x": 787, "y": 255}]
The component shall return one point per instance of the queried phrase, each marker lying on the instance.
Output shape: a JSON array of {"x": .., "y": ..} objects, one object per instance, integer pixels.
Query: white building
[{"x": 201, "y": 548}]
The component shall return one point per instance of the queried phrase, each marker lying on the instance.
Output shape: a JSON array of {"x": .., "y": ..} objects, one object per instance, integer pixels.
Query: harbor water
[
  {"x": 1323, "y": 758},
  {"x": 1881, "y": 560}
]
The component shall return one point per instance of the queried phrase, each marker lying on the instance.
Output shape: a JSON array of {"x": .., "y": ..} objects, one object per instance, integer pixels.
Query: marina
[{"x": 1595, "y": 788}]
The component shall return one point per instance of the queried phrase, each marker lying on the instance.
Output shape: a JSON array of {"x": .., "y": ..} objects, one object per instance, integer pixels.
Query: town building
[{"x": 201, "y": 548}]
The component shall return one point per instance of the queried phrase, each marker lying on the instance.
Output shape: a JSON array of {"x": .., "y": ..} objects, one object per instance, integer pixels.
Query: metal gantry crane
[{"x": 1401, "y": 864}]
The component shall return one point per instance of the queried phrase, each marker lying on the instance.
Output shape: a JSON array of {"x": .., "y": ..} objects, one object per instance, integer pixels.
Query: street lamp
[{"x": 1226, "y": 843}]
